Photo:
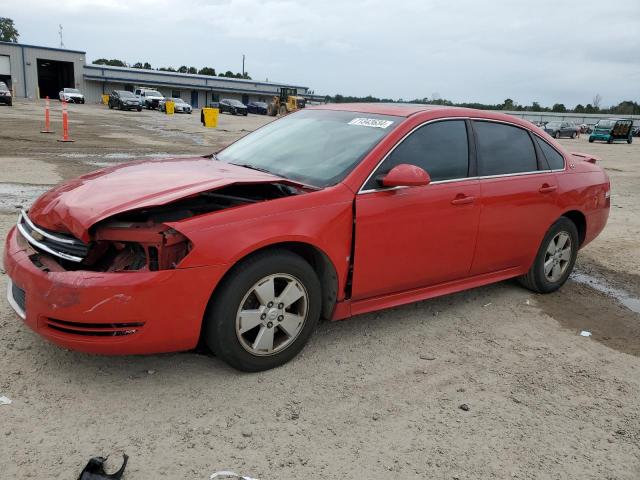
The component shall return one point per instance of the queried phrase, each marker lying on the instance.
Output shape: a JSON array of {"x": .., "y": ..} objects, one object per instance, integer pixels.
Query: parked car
[
  {"x": 5, "y": 94},
  {"x": 328, "y": 212},
  {"x": 635, "y": 131},
  {"x": 124, "y": 100},
  {"x": 257, "y": 107},
  {"x": 612, "y": 129},
  {"x": 561, "y": 129},
  {"x": 71, "y": 95},
  {"x": 234, "y": 107},
  {"x": 180, "y": 105},
  {"x": 149, "y": 98}
]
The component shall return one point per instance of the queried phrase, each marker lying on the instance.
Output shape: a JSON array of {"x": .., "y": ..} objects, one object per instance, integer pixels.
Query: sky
[{"x": 549, "y": 51}]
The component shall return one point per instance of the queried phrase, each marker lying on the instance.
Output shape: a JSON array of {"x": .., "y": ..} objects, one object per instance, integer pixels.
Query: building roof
[
  {"x": 162, "y": 76},
  {"x": 38, "y": 47}
]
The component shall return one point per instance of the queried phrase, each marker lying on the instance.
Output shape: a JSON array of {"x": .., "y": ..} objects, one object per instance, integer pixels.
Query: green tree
[
  {"x": 114, "y": 62},
  {"x": 182, "y": 69},
  {"x": 193, "y": 70},
  {"x": 137, "y": 65},
  {"x": 579, "y": 108},
  {"x": 590, "y": 109},
  {"x": 535, "y": 107},
  {"x": 207, "y": 71},
  {"x": 559, "y": 107},
  {"x": 508, "y": 104},
  {"x": 8, "y": 32}
]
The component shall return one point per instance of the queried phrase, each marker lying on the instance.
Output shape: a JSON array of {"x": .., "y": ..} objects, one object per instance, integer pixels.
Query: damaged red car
[{"x": 326, "y": 213}]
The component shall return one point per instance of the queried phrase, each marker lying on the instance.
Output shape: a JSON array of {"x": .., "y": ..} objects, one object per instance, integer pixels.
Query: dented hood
[{"x": 76, "y": 205}]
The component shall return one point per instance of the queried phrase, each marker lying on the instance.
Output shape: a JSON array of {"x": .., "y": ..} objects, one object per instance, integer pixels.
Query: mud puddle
[
  {"x": 590, "y": 302},
  {"x": 15, "y": 196}
]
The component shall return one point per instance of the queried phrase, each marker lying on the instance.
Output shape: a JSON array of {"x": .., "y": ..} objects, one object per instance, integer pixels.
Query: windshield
[
  {"x": 316, "y": 147},
  {"x": 124, "y": 93},
  {"x": 152, "y": 93},
  {"x": 605, "y": 123},
  {"x": 235, "y": 103},
  {"x": 553, "y": 124},
  {"x": 71, "y": 90},
  {"x": 3, "y": 86},
  {"x": 178, "y": 100}
]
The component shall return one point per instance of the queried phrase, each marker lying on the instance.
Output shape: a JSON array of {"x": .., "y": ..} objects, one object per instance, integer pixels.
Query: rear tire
[
  {"x": 629, "y": 140},
  {"x": 557, "y": 135},
  {"x": 555, "y": 258},
  {"x": 283, "y": 110},
  {"x": 610, "y": 141},
  {"x": 590, "y": 139},
  {"x": 238, "y": 320},
  {"x": 574, "y": 135}
]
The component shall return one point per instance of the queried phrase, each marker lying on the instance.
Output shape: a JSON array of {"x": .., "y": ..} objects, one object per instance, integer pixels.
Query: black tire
[
  {"x": 629, "y": 140},
  {"x": 219, "y": 331},
  {"x": 139, "y": 109},
  {"x": 574, "y": 135},
  {"x": 110, "y": 106},
  {"x": 610, "y": 141},
  {"x": 557, "y": 134},
  {"x": 535, "y": 279},
  {"x": 590, "y": 139}
]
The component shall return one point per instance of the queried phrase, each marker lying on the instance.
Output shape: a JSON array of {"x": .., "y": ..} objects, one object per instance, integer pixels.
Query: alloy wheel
[
  {"x": 557, "y": 256},
  {"x": 272, "y": 314}
]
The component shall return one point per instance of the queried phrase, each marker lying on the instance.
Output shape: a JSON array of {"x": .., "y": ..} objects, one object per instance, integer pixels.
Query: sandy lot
[{"x": 377, "y": 396}]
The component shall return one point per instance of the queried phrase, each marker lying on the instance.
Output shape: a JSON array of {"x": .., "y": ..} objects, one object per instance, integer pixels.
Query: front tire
[
  {"x": 555, "y": 258},
  {"x": 264, "y": 312},
  {"x": 574, "y": 135},
  {"x": 557, "y": 135}
]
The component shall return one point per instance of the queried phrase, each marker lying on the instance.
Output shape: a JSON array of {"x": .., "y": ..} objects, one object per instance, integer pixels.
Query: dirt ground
[{"x": 377, "y": 396}]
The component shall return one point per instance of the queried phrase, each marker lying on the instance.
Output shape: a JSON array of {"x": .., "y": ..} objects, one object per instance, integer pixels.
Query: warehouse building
[{"x": 36, "y": 72}]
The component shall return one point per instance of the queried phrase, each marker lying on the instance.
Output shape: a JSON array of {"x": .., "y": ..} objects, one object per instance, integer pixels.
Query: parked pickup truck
[{"x": 148, "y": 98}]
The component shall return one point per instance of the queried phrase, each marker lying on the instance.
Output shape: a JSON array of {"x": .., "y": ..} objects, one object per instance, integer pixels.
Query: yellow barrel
[
  {"x": 105, "y": 99},
  {"x": 170, "y": 107},
  {"x": 209, "y": 117}
]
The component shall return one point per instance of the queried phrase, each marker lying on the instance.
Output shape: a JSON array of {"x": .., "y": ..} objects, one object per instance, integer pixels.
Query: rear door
[
  {"x": 518, "y": 197},
  {"x": 418, "y": 236}
]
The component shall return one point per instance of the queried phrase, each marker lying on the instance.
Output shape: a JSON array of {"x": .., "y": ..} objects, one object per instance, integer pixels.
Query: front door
[
  {"x": 245, "y": 98},
  {"x": 194, "y": 98},
  {"x": 418, "y": 236}
]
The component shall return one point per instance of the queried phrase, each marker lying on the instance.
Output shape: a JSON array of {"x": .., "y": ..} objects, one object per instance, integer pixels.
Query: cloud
[{"x": 467, "y": 50}]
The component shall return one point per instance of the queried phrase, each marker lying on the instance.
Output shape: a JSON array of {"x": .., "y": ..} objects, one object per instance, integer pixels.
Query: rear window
[
  {"x": 554, "y": 159},
  {"x": 504, "y": 149}
]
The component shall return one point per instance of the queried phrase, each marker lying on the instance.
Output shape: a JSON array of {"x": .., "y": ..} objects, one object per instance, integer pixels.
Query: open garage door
[
  {"x": 5, "y": 70},
  {"x": 53, "y": 76}
]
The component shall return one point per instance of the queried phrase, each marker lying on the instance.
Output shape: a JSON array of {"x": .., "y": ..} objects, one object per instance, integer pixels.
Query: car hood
[
  {"x": 73, "y": 94},
  {"x": 73, "y": 207}
]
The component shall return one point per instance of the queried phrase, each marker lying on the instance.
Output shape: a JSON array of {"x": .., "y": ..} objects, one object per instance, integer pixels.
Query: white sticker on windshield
[{"x": 371, "y": 122}]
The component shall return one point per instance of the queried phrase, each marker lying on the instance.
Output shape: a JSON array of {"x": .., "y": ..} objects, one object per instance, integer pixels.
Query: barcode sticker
[{"x": 371, "y": 122}]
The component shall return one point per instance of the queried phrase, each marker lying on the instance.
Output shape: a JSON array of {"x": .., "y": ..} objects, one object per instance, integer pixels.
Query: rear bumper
[
  {"x": 110, "y": 313},
  {"x": 600, "y": 136}
]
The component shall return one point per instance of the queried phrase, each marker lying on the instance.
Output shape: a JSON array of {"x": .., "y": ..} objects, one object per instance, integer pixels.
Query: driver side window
[{"x": 440, "y": 148}]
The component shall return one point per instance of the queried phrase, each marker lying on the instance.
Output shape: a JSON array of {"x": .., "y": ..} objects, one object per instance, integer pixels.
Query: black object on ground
[{"x": 95, "y": 470}]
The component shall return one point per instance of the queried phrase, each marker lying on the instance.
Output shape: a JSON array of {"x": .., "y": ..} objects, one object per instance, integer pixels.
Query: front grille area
[
  {"x": 58, "y": 244},
  {"x": 94, "y": 329}
]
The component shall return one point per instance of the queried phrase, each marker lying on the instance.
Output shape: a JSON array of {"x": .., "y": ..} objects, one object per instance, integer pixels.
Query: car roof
[{"x": 409, "y": 109}]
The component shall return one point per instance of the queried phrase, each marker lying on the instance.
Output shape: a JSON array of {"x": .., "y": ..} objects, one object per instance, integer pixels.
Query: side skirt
[{"x": 349, "y": 308}]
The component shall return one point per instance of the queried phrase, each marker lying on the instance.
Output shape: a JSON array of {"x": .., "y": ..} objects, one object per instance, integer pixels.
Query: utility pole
[
  {"x": 243, "y": 66},
  {"x": 60, "y": 33}
]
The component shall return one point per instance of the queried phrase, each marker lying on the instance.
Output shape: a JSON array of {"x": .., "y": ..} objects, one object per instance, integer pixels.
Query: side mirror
[{"x": 405, "y": 175}]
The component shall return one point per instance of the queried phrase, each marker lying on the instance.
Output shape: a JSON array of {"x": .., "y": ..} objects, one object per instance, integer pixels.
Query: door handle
[
  {"x": 546, "y": 188},
  {"x": 462, "y": 199}
]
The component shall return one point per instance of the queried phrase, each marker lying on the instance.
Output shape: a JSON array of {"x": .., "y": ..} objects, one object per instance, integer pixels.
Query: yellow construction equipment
[{"x": 288, "y": 101}]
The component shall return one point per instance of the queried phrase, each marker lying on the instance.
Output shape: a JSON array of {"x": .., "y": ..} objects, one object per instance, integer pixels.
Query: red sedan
[{"x": 329, "y": 212}]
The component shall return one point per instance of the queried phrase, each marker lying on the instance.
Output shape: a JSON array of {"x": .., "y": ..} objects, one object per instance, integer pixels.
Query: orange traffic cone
[
  {"x": 65, "y": 124},
  {"x": 46, "y": 117}
]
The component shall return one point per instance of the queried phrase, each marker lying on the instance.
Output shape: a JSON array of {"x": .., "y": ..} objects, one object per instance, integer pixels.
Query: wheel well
[
  {"x": 579, "y": 221},
  {"x": 320, "y": 263}
]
